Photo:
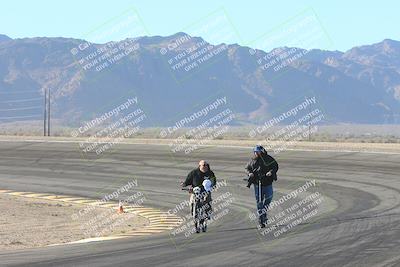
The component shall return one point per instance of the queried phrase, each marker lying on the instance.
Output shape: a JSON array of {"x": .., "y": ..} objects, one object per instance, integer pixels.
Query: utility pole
[
  {"x": 45, "y": 113},
  {"x": 48, "y": 114}
]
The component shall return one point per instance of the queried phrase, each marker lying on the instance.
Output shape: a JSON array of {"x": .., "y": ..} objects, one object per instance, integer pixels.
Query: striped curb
[{"x": 159, "y": 221}]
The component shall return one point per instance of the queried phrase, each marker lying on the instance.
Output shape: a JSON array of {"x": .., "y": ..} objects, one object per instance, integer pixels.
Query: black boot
[{"x": 261, "y": 223}]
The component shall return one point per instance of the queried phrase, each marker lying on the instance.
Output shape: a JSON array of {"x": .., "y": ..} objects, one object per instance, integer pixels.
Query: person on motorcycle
[
  {"x": 262, "y": 168},
  {"x": 204, "y": 178}
]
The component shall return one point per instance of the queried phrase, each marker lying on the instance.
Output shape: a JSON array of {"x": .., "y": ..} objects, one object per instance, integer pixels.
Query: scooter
[
  {"x": 259, "y": 176},
  {"x": 198, "y": 208}
]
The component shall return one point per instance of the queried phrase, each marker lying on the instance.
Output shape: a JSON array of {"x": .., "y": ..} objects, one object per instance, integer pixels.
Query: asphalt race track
[{"x": 357, "y": 222}]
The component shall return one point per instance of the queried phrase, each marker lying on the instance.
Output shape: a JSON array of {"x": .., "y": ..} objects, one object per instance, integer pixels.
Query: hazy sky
[{"x": 339, "y": 24}]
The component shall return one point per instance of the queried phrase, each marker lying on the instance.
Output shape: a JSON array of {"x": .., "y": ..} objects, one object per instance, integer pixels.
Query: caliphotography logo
[
  {"x": 102, "y": 133},
  {"x": 199, "y": 45},
  {"x": 288, "y": 44},
  {"x": 99, "y": 53},
  {"x": 210, "y": 122}
]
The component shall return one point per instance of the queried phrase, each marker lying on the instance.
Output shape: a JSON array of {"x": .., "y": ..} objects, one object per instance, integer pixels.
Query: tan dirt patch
[{"x": 29, "y": 222}]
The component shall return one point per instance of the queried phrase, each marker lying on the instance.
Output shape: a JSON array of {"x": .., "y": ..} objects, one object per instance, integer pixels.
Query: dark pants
[
  {"x": 263, "y": 203},
  {"x": 208, "y": 202}
]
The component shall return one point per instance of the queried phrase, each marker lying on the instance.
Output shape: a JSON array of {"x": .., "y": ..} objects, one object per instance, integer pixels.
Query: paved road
[{"x": 354, "y": 207}]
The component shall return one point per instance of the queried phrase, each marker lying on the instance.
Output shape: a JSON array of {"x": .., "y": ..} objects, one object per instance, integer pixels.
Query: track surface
[{"x": 357, "y": 223}]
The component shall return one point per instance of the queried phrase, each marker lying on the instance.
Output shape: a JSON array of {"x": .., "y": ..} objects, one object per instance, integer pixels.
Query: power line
[
  {"x": 19, "y": 92},
  {"x": 22, "y": 100},
  {"x": 18, "y": 117},
  {"x": 45, "y": 107},
  {"x": 15, "y": 109}
]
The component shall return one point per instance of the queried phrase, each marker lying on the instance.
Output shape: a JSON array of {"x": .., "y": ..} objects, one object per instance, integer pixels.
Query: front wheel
[{"x": 204, "y": 228}]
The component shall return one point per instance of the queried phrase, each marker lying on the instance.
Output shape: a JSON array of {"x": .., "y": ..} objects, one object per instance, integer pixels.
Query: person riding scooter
[
  {"x": 196, "y": 176},
  {"x": 204, "y": 178},
  {"x": 261, "y": 171}
]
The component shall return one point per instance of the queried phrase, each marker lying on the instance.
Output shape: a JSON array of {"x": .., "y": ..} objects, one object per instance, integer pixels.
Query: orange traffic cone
[{"x": 120, "y": 208}]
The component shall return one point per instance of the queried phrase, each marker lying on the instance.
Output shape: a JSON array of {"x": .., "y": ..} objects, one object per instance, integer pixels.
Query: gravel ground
[{"x": 29, "y": 222}]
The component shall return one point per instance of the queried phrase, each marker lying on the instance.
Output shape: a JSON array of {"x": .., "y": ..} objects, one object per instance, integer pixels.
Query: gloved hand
[{"x": 251, "y": 176}]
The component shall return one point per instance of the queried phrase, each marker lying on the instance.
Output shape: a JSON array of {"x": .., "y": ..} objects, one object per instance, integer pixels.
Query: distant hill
[{"x": 361, "y": 85}]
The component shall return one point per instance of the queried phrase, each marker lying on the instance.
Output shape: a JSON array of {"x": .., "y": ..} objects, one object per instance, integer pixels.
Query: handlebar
[{"x": 190, "y": 190}]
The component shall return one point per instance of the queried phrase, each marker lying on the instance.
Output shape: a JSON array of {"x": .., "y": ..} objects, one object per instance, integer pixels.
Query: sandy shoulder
[
  {"x": 272, "y": 145},
  {"x": 28, "y": 222}
]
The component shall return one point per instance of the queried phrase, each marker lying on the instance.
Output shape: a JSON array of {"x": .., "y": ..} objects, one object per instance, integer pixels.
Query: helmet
[
  {"x": 207, "y": 184},
  {"x": 258, "y": 148}
]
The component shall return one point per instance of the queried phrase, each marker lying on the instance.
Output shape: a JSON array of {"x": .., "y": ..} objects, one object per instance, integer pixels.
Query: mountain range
[{"x": 175, "y": 76}]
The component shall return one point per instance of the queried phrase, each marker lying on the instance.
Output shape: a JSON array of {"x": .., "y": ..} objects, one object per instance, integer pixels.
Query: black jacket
[
  {"x": 260, "y": 166},
  {"x": 196, "y": 178}
]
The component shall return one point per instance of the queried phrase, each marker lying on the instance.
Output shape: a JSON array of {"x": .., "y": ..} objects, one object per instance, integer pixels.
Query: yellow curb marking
[
  {"x": 51, "y": 197},
  {"x": 84, "y": 201},
  {"x": 5, "y": 191},
  {"x": 70, "y": 199},
  {"x": 159, "y": 221},
  {"x": 19, "y": 193},
  {"x": 35, "y": 195}
]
